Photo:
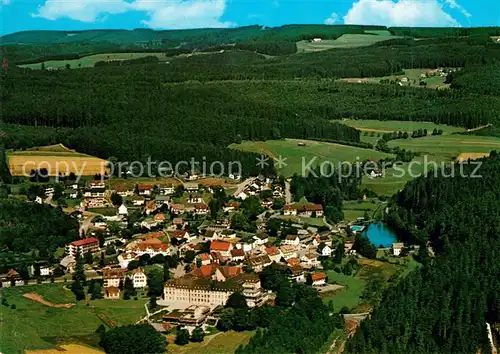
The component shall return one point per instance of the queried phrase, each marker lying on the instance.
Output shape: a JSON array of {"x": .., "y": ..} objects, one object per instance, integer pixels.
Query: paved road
[{"x": 288, "y": 194}]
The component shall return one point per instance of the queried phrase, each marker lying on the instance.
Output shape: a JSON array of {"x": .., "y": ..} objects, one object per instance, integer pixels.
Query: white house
[
  {"x": 139, "y": 278},
  {"x": 397, "y": 248},
  {"x": 292, "y": 240},
  {"x": 326, "y": 251},
  {"x": 318, "y": 279},
  {"x": 122, "y": 210},
  {"x": 261, "y": 239},
  {"x": 242, "y": 195}
]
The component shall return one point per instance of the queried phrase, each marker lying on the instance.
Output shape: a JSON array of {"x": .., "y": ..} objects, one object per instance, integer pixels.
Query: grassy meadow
[
  {"x": 378, "y": 126},
  {"x": 219, "y": 343},
  {"x": 89, "y": 61},
  {"x": 295, "y": 154},
  {"x": 356, "y": 209},
  {"x": 345, "y": 41},
  {"x": 32, "y": 325}
]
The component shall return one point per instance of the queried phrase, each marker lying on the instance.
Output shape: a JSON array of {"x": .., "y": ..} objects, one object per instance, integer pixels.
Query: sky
[{"x": 21, "y": 15}]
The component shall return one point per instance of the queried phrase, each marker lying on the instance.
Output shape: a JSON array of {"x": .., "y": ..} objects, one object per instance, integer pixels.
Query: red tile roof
[
  {"x": 219, "y": 246},
  {"x": 178, "y": 234},
  {"x": 205, "y": 271},
  {"x": 230, "y": 272},
  {"x": 292, "y": 237},
  {"x": 85, "y": 241},
  {"x": 272, "y": 251},
  {"x": 293, "y": 261},
  {"x": 318, "y": 276},
  {"x": 160, "y": 217},
  {"x": 205, "y": 256},
  {"x": 238, "y": 252},
  {"x": 144, "y": 187}
]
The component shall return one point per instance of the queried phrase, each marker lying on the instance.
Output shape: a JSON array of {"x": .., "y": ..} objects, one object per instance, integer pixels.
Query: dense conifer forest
[
  {"x": 444, "y": 307},
  {"x": 28, "y": 227}
]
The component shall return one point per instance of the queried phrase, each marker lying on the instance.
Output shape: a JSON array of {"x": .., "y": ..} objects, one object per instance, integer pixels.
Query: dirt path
[
  {"x": 39, "y": 298},
  {"x": 478, "y": 128}
]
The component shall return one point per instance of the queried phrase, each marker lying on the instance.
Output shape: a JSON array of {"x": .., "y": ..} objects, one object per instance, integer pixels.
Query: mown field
[
  {"x": 32, "y": 326},
  {"x": 345, "y": 41},
  {"x": 299, "y": 156},
  {"x": 450, "y": 146},
  {"x": 377, "y": 126},
  {"x": 55, "y": 158}
]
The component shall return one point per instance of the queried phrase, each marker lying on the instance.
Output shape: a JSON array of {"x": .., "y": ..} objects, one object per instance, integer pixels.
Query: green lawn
[
  {"x": 220, "y": 343},
  {"x": 350, "y": 295},
  {"x": 357, "y": 208},
  {"x": 89, "y": 61},
  {"x": 379, "y": 126},
  {"x": 304, "y": 220},
  {"x": 315, "y": 151},
  {"x": 35, "y": 326},
  {"x": 110, "y": 211},
  {"x": 396, "y": 177}
]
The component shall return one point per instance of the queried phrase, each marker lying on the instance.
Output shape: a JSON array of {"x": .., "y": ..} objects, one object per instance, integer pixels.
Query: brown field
[
  {"x": 55, "y": 158},
  {"x": 67, "y": 349},
  {"x": 464, "y": 156},
  {"x": 39, "y": 298}
]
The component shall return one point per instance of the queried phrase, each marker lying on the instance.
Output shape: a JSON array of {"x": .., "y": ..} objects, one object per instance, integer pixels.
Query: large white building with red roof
[{"x": 83, "y": 246}]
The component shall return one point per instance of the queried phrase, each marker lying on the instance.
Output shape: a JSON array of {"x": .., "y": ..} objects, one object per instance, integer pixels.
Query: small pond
[{"x": 380, "y": 235}]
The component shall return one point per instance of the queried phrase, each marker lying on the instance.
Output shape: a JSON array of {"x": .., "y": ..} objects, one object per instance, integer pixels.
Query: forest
[
  {"x": 27, "y": 227},
  {"x": 443, "y": 307}
]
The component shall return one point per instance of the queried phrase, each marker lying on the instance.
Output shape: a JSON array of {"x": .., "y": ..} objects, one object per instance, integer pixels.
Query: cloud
[
  {"x": 4, "y": 2},
  {"x": 172, "y": 14},
  {"x": 454, "y": 5},
  {"x": 176, "y": 14},
  {"x": 334, "y": 18},
  {"x": 424, "y": 13}
]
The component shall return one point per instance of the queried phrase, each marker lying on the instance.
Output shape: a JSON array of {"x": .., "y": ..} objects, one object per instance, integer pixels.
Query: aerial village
[{"x": 192, "y": 243}]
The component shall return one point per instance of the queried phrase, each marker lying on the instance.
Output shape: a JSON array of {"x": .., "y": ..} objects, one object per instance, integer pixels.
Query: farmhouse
[
  {"x": 259, "y": 262},
  {"x": 318, "y": 279},
  {"x": 237, "y": 255}
]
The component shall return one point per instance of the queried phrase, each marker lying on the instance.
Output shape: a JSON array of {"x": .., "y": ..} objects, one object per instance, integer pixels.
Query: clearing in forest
[{"x": 55, "y": 158}]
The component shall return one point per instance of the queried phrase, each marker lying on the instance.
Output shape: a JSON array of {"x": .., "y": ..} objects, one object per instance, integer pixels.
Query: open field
[
  {"x": 357, "y": 208},
  {"x": 219, "y": 343},
  {"x": 67, "y": 349},
  {"x": 345, "y": 41},
  {"x": 378, "y": 126},
  {"x": 396, "y": 177},
  {"x": 350, "y": 295},
  {"x": 34, "y": 326},
  {"x": 449, "y": 146},
  {"x": 55, "y": 158},
  {"x": 304, "y": 220},
  {"x": 413, "y": 75},
  {"x": 297, "y": 156},
  {"x": 89, "y": 61}
]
